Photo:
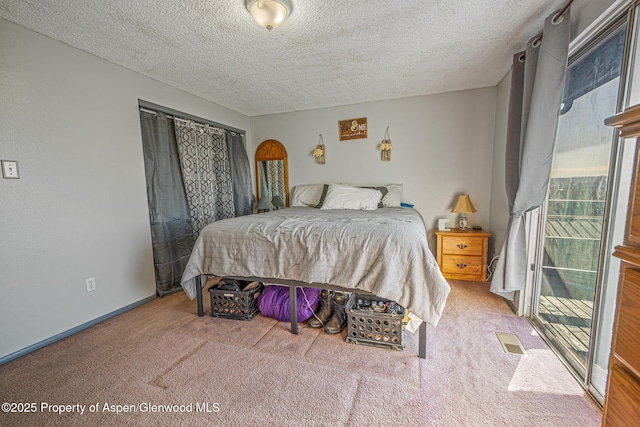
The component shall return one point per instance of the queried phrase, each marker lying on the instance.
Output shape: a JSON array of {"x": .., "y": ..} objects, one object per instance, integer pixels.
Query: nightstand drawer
[
  {"x": 462, "y": 265},
  {"x": 463, "y": 245}
]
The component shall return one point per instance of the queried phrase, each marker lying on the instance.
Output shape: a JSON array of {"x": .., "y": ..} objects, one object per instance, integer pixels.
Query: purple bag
[{"x": 274, "y": 302}]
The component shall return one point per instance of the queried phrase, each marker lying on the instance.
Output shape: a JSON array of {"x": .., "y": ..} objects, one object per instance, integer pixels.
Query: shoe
[
  {"x": 229, "y": 285},
  {"x": 325, "y": 311},
  {"x": 338, "y": 321}
]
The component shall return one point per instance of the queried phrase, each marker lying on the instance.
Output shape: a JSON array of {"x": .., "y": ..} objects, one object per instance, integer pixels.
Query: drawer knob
[
  {"x": 461, "y": 265},
  {"x": 461, "y": 246}
]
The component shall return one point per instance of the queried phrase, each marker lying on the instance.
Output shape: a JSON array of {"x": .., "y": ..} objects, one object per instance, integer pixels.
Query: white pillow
[
  {"x": 393, "y": 196},
  {"x": 306, "y": 195},
  {"x": 347, "y": 197}
]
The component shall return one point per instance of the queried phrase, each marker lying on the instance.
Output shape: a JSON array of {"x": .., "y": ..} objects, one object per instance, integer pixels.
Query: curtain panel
[
  {"x": 264, "y": 180},
  {"x": 206, "y": 173},
  {"x": 171, "y": 233},
  {"x": 240, "y": 174},
  {"x": 537, "y": 84},
  {"x": 275, "y": 178}
]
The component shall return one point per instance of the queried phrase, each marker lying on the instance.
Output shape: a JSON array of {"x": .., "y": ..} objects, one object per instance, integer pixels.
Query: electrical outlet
[{"x": 91, "y": 284}]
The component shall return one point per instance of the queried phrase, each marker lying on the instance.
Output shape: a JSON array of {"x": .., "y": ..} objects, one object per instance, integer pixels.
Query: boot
[
  {"x": 325, "y": 311},
  {"x": 338, "y": 321}
]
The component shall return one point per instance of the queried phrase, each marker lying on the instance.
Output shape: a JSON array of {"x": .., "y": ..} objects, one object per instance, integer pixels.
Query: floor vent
[{"x": 510, "y": 343}]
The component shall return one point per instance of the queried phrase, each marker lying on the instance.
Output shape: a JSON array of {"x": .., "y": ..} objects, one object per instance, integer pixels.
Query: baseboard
[{"x": 62, "y": 335}]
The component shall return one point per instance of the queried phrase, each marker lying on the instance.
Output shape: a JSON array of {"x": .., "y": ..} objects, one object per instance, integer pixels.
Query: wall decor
[
  {"x": 352, "y": 128},
  {"x": 385, "y": 147},
  {"x": 318, "y": 153}
]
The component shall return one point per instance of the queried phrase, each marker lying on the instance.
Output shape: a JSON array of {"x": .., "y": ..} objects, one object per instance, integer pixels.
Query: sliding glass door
[{"x": 576, "y": 223}]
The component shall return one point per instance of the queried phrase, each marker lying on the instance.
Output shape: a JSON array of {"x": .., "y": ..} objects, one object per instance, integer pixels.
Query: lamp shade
[
  {"x": 269, "y": 13},
  {"x": 463, "y": 205},
  {"x": 277, "y": 202},
  {"x": 264, "y": 204}
]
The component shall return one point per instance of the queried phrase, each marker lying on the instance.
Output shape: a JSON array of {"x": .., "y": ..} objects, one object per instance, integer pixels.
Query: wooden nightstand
[{"x": 462, "y": 255}]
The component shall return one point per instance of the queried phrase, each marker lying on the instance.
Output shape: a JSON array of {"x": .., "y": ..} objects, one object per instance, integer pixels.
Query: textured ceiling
[{"x": 328, "y": 53}]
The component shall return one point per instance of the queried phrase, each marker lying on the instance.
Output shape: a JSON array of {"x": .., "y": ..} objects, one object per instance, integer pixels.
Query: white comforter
[{"x": 384, "y": 252}]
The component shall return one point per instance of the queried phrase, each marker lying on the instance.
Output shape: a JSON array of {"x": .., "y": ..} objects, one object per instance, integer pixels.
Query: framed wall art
[{"x": 352, "y": 128}]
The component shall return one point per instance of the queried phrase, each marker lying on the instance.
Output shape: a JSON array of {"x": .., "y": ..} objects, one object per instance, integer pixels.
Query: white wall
[
  {"x": 442, "y": 146},
  {"x": 79, "y": 209}
]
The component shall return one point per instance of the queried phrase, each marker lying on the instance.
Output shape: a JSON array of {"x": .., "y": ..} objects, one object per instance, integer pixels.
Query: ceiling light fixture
[{"x": 269, "y": 13}]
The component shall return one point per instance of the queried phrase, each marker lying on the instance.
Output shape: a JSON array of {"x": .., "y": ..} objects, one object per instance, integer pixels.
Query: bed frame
[{"x": 293, "y": 307}]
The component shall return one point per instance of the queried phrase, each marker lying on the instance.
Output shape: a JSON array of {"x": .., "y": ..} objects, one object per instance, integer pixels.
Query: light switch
[{"x": 10, "y": 169}]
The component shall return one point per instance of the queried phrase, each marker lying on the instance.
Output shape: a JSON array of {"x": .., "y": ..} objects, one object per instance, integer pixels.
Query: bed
[{"x": 382, "y": 252}]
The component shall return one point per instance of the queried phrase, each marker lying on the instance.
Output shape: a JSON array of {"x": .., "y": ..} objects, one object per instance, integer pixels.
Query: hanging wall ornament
[
  {"x": 385, "y": 147},
  {"x": 319, "y": 152}
]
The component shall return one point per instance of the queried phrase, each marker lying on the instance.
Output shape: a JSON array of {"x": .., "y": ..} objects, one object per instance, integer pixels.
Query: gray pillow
[{"x": 383, "y": 190}]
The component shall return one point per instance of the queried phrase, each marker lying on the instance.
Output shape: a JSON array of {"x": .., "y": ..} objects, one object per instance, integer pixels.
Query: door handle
[
  {"x": 461, "y": 265},
  {"x": 461, "y": 246}
]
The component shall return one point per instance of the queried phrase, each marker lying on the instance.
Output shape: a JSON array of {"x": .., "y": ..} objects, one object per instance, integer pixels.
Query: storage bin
[
  {"x": 372, "y": 326},
  {"x": 232, "y": 304}
]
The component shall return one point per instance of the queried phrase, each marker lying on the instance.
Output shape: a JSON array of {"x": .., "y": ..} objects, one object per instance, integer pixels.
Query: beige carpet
[{"x": 255, "y": 373}]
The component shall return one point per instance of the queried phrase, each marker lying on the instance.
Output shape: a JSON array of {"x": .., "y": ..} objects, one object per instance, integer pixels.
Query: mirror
[{"x": 272, "y": 178}]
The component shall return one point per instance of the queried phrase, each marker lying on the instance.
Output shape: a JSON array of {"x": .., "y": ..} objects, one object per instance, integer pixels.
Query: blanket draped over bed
[{"x": 384, "y": 251}]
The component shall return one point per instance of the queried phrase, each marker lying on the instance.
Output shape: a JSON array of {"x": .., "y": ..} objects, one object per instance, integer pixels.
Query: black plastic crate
[
  {"x": 375, "y": 327},
  {"x": 232, "y": 304}
]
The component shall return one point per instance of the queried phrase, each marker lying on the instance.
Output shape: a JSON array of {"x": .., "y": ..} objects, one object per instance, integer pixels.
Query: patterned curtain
[
  {"x": 206, "y": 173},
  {"x": 275, "y": 178}
]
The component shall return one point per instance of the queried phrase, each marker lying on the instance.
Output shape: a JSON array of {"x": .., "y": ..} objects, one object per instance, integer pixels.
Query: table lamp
[
  {"x": 264, "y": 204},
  {"x": 277, "y": 202},
  {"x": 463, "y": 207}
]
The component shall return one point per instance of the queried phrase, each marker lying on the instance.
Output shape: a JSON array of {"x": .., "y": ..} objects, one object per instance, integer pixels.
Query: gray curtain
[
  {"x": 171, "y": 234},
  {"x": 206, "y": 173},
  {"x": 264, "y": 180},
  {"x": 240, "y": 173},
  {"x": 536, "y": 96}
]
